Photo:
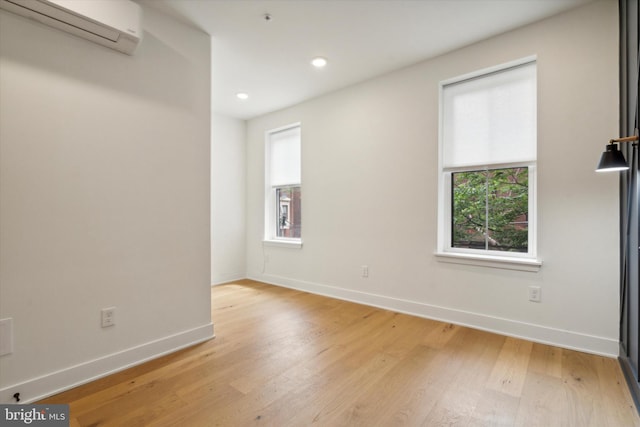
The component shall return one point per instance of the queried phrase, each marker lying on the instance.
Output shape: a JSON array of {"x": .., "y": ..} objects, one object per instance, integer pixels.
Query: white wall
[
  {"x": 104, "y": 200},
  {"x": 228, "y": 194},
  {"x": 370, "y": 191}
]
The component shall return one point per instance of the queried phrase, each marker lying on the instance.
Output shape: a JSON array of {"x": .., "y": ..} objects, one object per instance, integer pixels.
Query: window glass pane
[
  {"x": 490, "y": 209},
  {"x": 469, "y": 211},
  {"x": 508, "y": 207},
  {"x": 288, "y": 202}
]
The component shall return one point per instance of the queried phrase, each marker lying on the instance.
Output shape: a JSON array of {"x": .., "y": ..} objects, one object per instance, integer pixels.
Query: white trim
[
  {"x": 55, "y": 382},
  {"x": 226, "y": 278},
  {"x": 283, "y": 128},
  {"x": 482, "y": 260},
  {"x": 490, "y": 70},
  {"x": 538, "y": 333},
  {"x": 289, "y": 243},
  {"x": 483, "y": 167}
]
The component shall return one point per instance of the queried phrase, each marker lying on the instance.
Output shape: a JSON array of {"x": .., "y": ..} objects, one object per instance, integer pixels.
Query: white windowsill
[
  {"x": 281, "y": 243},
  {"x": 508, "y": 263}
]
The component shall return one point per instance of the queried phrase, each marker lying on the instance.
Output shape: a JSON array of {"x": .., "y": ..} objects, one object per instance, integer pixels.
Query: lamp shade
[{"x": 612, "y": 160}]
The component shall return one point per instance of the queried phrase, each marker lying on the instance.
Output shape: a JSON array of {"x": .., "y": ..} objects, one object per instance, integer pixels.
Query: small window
[
  {"x": 487, "y": 164},
  {"x": 283, "y": 210}
]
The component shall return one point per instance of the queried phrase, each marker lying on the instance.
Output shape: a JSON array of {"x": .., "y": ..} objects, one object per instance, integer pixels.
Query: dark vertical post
[{"x": 629, "y": 199}]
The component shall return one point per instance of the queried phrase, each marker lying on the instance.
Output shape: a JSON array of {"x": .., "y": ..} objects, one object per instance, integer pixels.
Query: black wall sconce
[{"x": 612, "y": 159}]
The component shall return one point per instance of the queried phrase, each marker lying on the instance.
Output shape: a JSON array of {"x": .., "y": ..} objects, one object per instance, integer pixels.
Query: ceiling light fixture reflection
[
  {"x": 242, "y": 95},
  {"x": 319, "y": 62}
]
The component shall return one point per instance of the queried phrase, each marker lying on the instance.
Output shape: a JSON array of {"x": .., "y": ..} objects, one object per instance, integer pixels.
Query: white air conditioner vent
[{"x": 113, "y": 23}]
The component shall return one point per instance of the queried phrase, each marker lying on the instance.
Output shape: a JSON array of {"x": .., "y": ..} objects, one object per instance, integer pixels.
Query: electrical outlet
[
  {"x": 108, "y": 317},
  {"x": 365, "y": 271},
  {"x": 535, "y": 293}
]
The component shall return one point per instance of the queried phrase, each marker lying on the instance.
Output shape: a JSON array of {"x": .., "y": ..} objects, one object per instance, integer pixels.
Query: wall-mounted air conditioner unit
[{"x": 113, "y": 23}]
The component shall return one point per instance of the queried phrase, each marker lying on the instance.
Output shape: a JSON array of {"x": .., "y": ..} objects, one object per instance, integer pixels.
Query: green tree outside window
[{"x": 490, "y": 209}]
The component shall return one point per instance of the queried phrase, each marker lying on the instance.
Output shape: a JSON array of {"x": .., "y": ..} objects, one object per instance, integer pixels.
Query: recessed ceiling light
[
  {"x": 242, "y": 95},
  {"x": 319, "y": 62}
]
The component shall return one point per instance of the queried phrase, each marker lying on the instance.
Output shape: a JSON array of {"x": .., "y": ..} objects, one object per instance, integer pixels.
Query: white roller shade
[
  {"x": 284, "y": 151},
  {"x": 490, "y": 119}
]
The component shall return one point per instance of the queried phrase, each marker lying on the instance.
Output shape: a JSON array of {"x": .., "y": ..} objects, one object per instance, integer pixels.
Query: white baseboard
[
  {"x": 226, "y": 278},
  {"x": 65, "y": 379},
  {"x": 542, "y": 334}
]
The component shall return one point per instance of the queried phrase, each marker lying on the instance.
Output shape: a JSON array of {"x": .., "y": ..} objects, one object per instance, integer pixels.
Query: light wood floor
[{"x": 288, "y": 358}]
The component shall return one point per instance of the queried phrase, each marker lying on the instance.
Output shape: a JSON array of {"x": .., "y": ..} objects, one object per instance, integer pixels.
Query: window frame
[
  {"x": 445, "y": 251},
  {"x": 271, "y": 216}
]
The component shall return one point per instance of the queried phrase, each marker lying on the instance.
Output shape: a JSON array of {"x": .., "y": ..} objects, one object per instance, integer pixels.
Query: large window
[
  {"x": 283, "y": 215},
  {"x": 488, "y": 164}
]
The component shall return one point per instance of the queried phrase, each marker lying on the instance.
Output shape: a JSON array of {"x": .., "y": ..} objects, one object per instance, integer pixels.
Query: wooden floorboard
[{"x": 287, "y": 358}]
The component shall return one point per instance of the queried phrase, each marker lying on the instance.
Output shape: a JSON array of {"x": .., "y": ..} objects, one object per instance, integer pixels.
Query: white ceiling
[{"x": 270, "y": 60}]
